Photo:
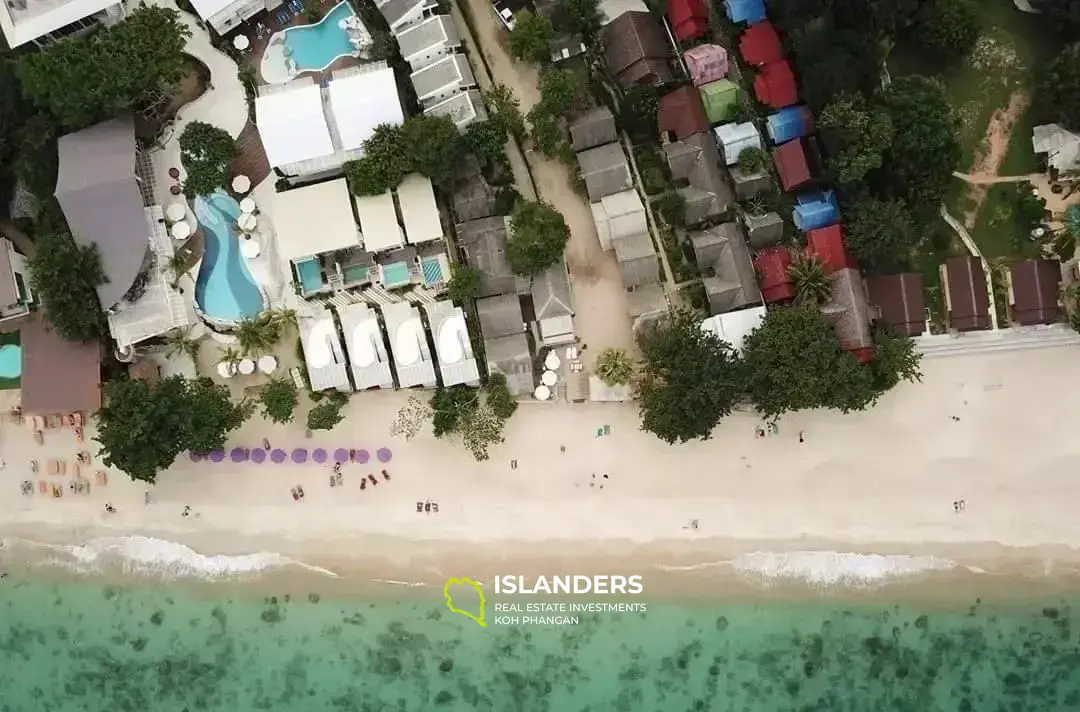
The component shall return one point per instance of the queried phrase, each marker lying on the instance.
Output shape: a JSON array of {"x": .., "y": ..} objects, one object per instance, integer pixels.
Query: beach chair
[
  {"x": 102, "y": 477},
  {"x": 297, "y": 5},
  {"x": 43, "y": 487}
]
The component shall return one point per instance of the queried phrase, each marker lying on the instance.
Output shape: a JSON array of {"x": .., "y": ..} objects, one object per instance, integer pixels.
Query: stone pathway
[{"x": 973, "y": 248}]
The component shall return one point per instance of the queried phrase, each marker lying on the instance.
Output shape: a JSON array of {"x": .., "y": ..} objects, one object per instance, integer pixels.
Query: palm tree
[
  {"x": 812, "y": 286},
  {"x": 179, "y": 266},
  {"x": 614, "y": 367},
  {"x": 256, "y": 335},
  {"x": 179, "y": 341},
  {"x": 283, "y": 319},
  {"x": 230, "y": 356}
]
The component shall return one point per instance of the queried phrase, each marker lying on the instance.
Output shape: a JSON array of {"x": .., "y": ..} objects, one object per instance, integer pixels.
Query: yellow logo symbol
[{"x": 450, "y": 599}]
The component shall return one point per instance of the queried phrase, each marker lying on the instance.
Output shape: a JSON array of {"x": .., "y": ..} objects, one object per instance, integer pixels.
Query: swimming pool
[
  {"x": 313, "y": 48},
  {"x": 10, "y": 361},
  {"x": 432, "y": 269},
  {"x": 224, "y": 289},
  {"x": 310, "y": 274},
  {"x": 395, "y": 274}
]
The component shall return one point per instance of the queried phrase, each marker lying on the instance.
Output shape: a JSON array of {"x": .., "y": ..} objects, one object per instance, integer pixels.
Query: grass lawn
[
  {"x": 10, "y": 337},
  {"x": 995, "y": 231}
]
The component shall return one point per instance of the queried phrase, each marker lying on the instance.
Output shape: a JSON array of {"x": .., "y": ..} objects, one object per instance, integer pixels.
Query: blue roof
[
  {"x": 789, "y": 124},
  {"x": 816, "y": 210},
  {"x": 751, "y": 11}
]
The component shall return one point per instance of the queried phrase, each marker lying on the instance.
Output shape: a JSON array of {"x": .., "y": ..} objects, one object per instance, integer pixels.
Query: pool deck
[{"x": 258, "y": 44}]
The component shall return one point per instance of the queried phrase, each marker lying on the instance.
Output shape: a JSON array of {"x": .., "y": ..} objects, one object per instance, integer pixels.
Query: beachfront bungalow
[
  {"x": 775, "y": 85},
  {"x": 505, "y": 345},
  {"x": 369, "y": 360},
  {"x": 622, "y": 226},
  {"x": 734, "y": 326},
  {"x": 636, "y": 50},
  {"x": 681, "y": 114},
  {"x": 324, "y": 356},
  {"x": 646, "y": 301},
  {"x": 309, "y": 131},
  {"x": 58, "y": 376},
  {"x": 483, "y": 243},
  {"x": 771, "y": 266},
  {"x": 749, "y": 11},
  {"x": 689, "y": 18},
  {"x": 1035, "y": 292},
  {"x": 379, "y": 227},
  {"x": 763, "y": 230},
  {"x": 726, "y": 268},
  {"x": 848, "y": 312},
  {"x": 463, "y": 108},
  {"x": 760, "y": 45},
  {"x": 442, "y": 79},
  {"x": 706, "y": 63},
  {"x": 426, "y": 42},
  {"x": 721, "y": 99},
  {"x": 419, "y": 211},
  {"x": 814, "y": 210},
  {"x": 553, "y": 306},
  {"x": 453, "y": 349},
  {"x": 733, "y": 139},
  {"x": 827, "y": 245},
  {"x": 605, "y": 170},
  {"x": 899, "y": 302},
  {"x": 967, "y": 299},
  {"x": 399, "y": 14},
  {"x": 697, "y": 160},
  {"x": 790, "y": 123},
  {"x": 791, "y": 165},
  {"x": 409, "y": 346},
  {"x": 595, "y": 128},
  {"x": 309, "y": 255}
]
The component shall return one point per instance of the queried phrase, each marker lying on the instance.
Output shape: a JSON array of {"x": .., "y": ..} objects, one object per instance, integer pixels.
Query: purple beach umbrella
[
  {"x": 238, "y": 454},
  {"x": 258, "y": 455},
  {"x": 341, "y": 455},
  {"x": 361, "y": 456},
  {"x": 299, "y": 455},
  {"x": 384, "y": 454},
  {"x": 195, "y": 456},
  {"x": 278, "y": 456},
  {"x": 319, "y": 455},
  {"x": 217, "y": 456}
]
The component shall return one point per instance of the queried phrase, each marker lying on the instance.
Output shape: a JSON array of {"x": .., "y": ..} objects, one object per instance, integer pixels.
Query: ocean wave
[
  {"x": 832, "y": 568},
  {"x": 408, "y": 584},
  {"x": 149, "y": 556}
]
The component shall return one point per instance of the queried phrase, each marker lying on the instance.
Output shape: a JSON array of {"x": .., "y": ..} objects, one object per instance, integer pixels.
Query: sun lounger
[
  {"x": 43, "y": 487},
  {"x": 102, "y": 477}
]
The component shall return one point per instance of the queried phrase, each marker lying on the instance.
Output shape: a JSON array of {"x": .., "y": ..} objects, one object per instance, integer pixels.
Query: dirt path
[{"x": 995, "y": 147}]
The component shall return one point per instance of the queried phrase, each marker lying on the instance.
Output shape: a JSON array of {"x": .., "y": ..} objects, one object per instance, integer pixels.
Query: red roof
[
  {"x": 682, "y": 113},
  {"x": 772, "y": 268},
  {"x": 827, "y": 244},
  {"x": 790, "y": 161},
  {"x": 760, "y": 44},
  {"x": 689, "y": 18},
  {"x": 775, "y": 86}
]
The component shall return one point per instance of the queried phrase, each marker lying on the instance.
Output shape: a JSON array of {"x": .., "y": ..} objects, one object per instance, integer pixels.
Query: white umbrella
[
  {"x": 181, "y": 231},
  {"x": 247, "y": 205},
  {"x": 247, "y": 367},
  {"x": 226, "y": 369},
  {"x": 176, "y": 212},
  {"x": 552, "y": 361},
  {"x": 249, "y": 249},
  {"x": 241, "y": 42},
  {"x": 246, "y": 221},
  {"x": 241, "y": 184},
  {"x": 542, "y": 393},
  {"x": 267, "y": 364},
  {"x": 549, "y": 378}
]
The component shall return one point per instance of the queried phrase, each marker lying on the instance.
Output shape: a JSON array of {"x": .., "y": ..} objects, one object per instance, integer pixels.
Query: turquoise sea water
[{"x": 88, "y": 647}]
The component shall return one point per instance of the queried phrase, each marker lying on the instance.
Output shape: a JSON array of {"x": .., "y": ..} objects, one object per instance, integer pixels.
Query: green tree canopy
[
  {"x": 812, "y": 286},
  {"x": 637, "y": 112},
  {"x": 499, "y": 399},
  {"x": 144, "y": 426},
  {"x": 1059, "y": 91},
  {"x": 206, "y": 152},
  {"x": 856, "y": 134},
  {"x": 895, "y": 360},
  {"x": 751, "y": 159},
  {"x": 562, "y": 92},
  {"x": 279, "y": 399},
  {"x": 578, "y": 17},
  {"x": 689, "y": 380},
  {"x": 925, "y": 149},
  {"x": 65, "y": 278},
  {"x": 326, "y": 414},
  {"x": 384, "y": 164},
  {"x": 948, "y": 29},
  {"x": 834, "y": 61},
  {"x": 462, "y": 413},
  {"x": 531, "y": 38},
  {"x": 464, "y": 284},
  {"x": 614, "y": 367},
  {"x": 538, "y": 237},
  {"x": 433, "y": 146},
  {"x": 504, "y": 108},
  {"x": 880, "y": 234},
  {"x": 109, "y": 71},
  {"x": 487, "y": 140},
  {"x": 794, "y": 361}
]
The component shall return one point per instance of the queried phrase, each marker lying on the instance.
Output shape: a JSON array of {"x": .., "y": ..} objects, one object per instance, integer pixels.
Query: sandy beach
[{"x": 881, "y": 482}]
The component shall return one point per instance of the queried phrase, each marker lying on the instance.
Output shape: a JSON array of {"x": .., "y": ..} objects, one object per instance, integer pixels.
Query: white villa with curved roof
[
  {"x": 457, "y": 363},
  {"x": 368, "y": 357},
  {"x": 408, "y": 344},
  {"x": 323, "y": 355}
]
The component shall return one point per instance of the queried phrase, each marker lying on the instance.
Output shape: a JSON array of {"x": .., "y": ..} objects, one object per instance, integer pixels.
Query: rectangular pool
[
  {"x": 395, "y": 274},
  {"x": 310, "y": 274}
]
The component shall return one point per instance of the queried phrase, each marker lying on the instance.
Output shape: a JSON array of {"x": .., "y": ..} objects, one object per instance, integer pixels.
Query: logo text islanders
[{"x": 466, "y": 597}]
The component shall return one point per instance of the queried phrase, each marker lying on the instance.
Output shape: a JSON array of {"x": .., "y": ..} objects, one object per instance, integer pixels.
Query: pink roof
[
  {"x": 827, "y": 244},
  {"x": 760, "y": 45},
  {"x": 707, "y": 63},
  {"x": 772, "y": 268},
  {"x": 689, "y": 18},
  {"x": 775, "y": 86}
]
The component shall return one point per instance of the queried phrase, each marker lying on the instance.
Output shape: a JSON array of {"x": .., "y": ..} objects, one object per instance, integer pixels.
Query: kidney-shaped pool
[{"x": 224, "y": 289}]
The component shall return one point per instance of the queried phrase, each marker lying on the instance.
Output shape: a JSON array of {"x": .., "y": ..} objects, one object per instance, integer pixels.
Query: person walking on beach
[{"x": 801, "y": 438}]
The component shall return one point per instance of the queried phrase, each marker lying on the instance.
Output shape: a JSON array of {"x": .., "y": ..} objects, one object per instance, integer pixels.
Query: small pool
[
  {"x": 355, "y": 273},
  {"x": 224, "y": 289},
  {"x": 395, "y": 274},
  {"x": 433, "y": 274},
  {"x": 10, "y": 361},
  {"x": 310, "y": 274}
]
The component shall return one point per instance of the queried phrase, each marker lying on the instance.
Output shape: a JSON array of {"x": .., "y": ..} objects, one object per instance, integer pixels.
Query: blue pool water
[
  {"x": 310, "y": 275},
  {"x": 395, "y": 274},
  {"x": 224, "y": 289},
  {"x": 432, "y": 270},
  {"x": 314, "y": 47},
  {"x": 10, "y": 361}
]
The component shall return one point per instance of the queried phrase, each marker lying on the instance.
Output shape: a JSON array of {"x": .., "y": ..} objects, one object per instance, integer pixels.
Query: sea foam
[
  {"x": 149, "y": 556},
  {"x": 834, "y": 568}
]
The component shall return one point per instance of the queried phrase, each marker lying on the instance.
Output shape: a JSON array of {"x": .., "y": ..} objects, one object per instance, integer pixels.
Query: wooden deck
[{"x": 252, "y": 160}]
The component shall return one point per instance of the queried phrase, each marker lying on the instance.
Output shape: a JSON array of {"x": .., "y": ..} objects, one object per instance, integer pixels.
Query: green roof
[{"x": 721, "y": 99}]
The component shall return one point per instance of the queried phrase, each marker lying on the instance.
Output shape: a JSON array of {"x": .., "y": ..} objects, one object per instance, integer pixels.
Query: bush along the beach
[
  {"x": 462, "y": 412},
  {"x": 279, "y": 398},
  {"x": 325, "y": 415}
]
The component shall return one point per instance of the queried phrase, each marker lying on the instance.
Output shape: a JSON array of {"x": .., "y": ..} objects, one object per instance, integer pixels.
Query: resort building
[
  {"x": 595, "y": 128},
  {"x": 453, "y": 349},
  {"x": 309, "y": 131},
  {"x": 763, "y": 230},
  {"x": 552, "y": 306},
  {"x": 760, "y": 45},
  {"x": 637, "y": 50},
  {"x": 736, "y": 138},
  {"x": 442, "y": 79},
  {"x": 605, "y": 170},
  {"x": 226, "y": 15},
  {"x": 105, "y": 189},
  {"x": 369, "y": 360},
  {"x": 771, "y": 266},
  {"x": 689, "y": 18},
  {"x": 706, "y": 63},
  {"x": 899, "y": 302},
  {"x": 463, "y": 108},
  {"x": 790, "y": 123},
  {"x": 734, "y": 326},
  {"x": 1035, "y": 292},
  {"x": 967, "y": 299},
  {"x": 1061, "y": 146},
  {"x": 58, "y": 376},
  {"x": 791, "y": 165},
  {"x": 697, "y": 161},
  {"x": 323, "y": 354},
  {"x": 622, "y": 226},
  {"x": 681, "y": 114},
  {"x": 310, "y": 254},
  {"x": 749, "y": 11},
  {"x": 408, "y": 345},
  {"x": 424, "y": 43},
  {"x": 775, "y": 86},
  {"x": 814, "y": 210},
  {"x": 722, "y": 100},
  {"x": 611, "y": 10},
  {"x": 15, "y": 294},
  {"x": 25, "y": 21},
  {"x": 483, "y": 243},
  {"x": 726, "y": 268},
  {"x": 379, "y": 228},
  {"x": 419, "y": 211},
  {"x": 402, "y": 13},
  {"x": 506, "y": 345},
  {"x": 849, "y": 314}
]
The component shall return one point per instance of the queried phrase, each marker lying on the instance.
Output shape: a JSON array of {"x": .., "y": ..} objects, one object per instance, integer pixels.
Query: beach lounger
[
  {"x": 297, "y": 379},
  {"x": 43, "y": 487},
  {"x": 102, "y": 477}
]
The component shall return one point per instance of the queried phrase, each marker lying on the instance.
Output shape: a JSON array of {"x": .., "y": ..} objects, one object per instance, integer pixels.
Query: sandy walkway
[{"x": 998, "y": 133}]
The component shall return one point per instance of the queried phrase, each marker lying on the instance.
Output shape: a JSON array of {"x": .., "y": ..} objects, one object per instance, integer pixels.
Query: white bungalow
[
  {"x": 463, "y": 108},
  {"x": 424, "y": 43},
  {"x": 419, "y": 211},
  {"x": 734, "y": 327},
  {"x": 379, "y": 228},
  {"x": 409, "y": 346},
  {"x": 736, "y": 138},
  {"x": 368, "y": 357},
  {"x": 226, "y": 15},
  {"x": 24, "y": 21},
  {"x": 323, "y": 354},
  {"x": 457, "y": 363},
  {"x": 300, "y": 246},
  {"x": 442, "y": 79}
]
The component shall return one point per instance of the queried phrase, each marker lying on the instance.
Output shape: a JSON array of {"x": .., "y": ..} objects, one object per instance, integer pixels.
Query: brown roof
[
  {"x": 847, "y": 311},
  {"x": 636, "y": 50},
  {"x": 682, "y": 113},
  {"x": 144, "y": 369},
  {"x": 58, "y": 376},
  {"x": 1035, "y": 292},
  {"x": 969, "y": 303},
  {"x": 900, "y": 301}
]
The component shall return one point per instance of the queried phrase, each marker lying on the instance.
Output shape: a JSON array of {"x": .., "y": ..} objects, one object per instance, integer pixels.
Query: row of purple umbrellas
[{"x": 298, "y": 455}]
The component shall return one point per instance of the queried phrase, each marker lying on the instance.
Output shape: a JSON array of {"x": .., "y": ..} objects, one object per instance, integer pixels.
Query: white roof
[
  {"x": 734, "y": 327},
  {"x": 457, "y": 363},
  {"x": 463, "y": 108},
  {"x": 618, "y": 216},
  {"x": 292, "y": 125},
  {"x": 433, "y": 34},
  {"x": 209, "y": 8},
  {"x": 323, "y": 355},
  {"x": 409, "y": 345},
  {"x": 368, "y": 356},
  {"x": 313, "y": 219},
  {"x": 418, "y": 209},
  {"x": 734, "y": 138},
  {"x": 378, "y": 222},
  {"x": 611, "y": 10},
  {"x": 448, "y": 73},
  {"x": 40, "y": 17},
  {"x": 1061, "y": 146},
  {"x": 361, "y": 101}
]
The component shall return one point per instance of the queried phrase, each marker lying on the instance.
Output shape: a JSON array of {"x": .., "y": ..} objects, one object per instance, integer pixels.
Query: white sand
[{"x": 882, "y": 481}]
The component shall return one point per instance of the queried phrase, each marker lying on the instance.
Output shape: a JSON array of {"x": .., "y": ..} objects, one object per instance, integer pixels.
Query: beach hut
[
  {"x": 750, "y": 11},
  {"x": 761, "y": 45},
  {"x": 900, "y": 301},
  {"x": 736, "y": 138},
  {"x": 790, "y": 123},
  {"x": 771, "y": 266},
  {"x": 791, "y": 165},
  {"x": 689, "y": 18},
  {"x": 814, "y": 210},
  {"x": 706, "y": 63},
  {"x": 1035, "y": 290},
  {"x": 827, "y": 245},
  {"x": 721, "y": 100},
  {"x": 682, "y": 113},
  {"x": 775, "y": 86}
]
